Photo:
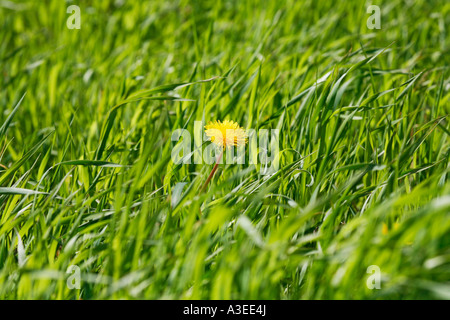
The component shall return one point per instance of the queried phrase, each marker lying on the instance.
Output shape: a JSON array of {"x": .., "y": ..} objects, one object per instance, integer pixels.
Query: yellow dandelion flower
[{"x": 226, "y": 134}]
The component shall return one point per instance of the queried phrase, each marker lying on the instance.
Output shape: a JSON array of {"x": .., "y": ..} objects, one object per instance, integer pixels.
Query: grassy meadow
[{"x": 87, "y": 178}]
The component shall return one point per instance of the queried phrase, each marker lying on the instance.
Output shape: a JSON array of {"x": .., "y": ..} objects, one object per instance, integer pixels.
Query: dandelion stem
[{"x": 212, "y": 171}]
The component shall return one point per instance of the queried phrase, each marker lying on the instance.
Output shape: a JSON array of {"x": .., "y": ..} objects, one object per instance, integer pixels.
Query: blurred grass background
[{"x": 86, "y": 176}]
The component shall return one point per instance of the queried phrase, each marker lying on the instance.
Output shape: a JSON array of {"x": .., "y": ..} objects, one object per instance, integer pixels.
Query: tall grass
[{"x": 85, "y": 147}]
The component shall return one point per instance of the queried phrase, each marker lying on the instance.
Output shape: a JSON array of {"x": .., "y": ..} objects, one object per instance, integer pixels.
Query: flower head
[{"x": 226, "y": 134}]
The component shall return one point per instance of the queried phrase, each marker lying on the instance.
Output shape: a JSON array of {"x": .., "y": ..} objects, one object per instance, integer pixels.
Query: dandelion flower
[{"x": 226, "y": 134}]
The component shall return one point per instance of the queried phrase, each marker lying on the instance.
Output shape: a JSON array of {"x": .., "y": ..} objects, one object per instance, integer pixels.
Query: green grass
[{"x": 88, "y": 179}]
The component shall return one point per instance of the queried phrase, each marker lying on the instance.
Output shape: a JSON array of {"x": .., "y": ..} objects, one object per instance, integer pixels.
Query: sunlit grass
[{"x": 86, "y": 176}]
